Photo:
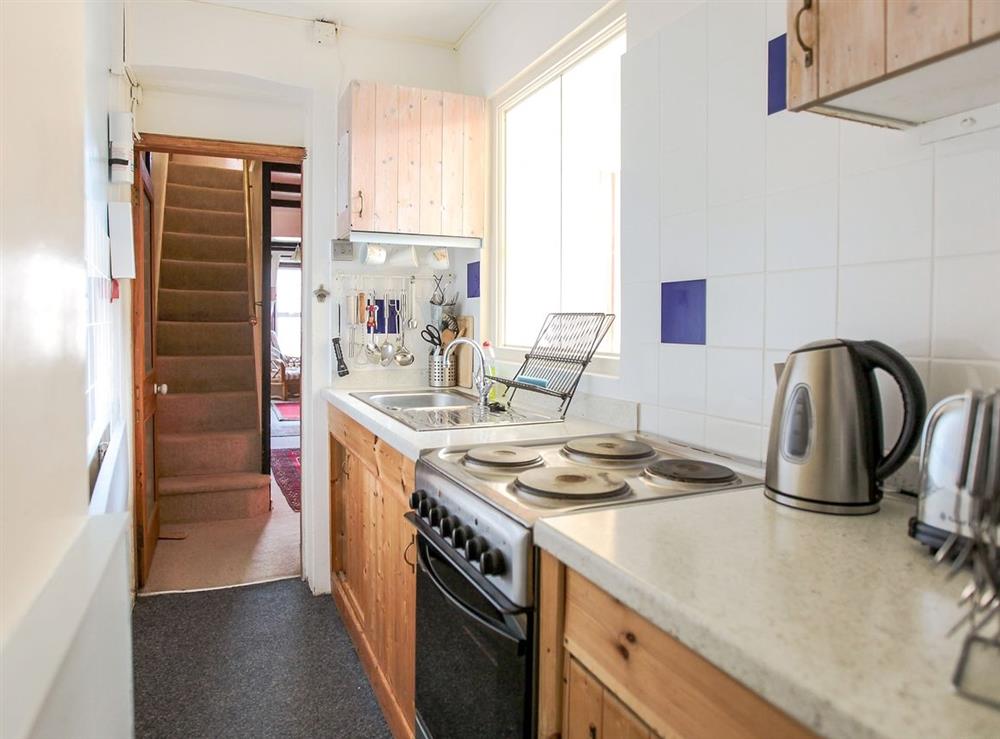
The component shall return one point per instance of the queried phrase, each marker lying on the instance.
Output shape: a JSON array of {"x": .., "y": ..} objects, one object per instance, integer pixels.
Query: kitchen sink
[
  {"x": 429, "y": 399},
  {"x": 436, "y": 410}
]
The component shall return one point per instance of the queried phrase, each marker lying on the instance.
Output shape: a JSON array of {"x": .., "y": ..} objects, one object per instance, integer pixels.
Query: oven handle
[{"x": 506, "y": 628}]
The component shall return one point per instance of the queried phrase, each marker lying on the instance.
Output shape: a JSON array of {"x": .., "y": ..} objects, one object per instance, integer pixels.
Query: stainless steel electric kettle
[{"x": 826, "y": 447}]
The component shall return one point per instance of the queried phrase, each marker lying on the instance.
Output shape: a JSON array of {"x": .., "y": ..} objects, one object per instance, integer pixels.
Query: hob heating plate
[{"x": 531, "y": 480}]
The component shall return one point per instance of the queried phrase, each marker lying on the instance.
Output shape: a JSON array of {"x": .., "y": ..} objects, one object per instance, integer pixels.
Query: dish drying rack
[{"x": 554, "y": 365}]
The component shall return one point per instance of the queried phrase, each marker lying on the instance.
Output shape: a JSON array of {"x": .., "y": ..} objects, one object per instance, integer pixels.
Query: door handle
[
  {"x": 807, "y": 50},
  {"x": 160, "y": 389}
]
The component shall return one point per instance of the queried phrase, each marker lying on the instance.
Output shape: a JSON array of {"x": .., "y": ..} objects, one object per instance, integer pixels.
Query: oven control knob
[
  {"x": 426, "y": 506},
  {"x": 491, "y": 563},
  {"x": 461, "y": 535},
  {"x": 416, "y": 497},
  {"x": 475, "y": 547},
  {"x": 437, "y": 515},
  {"x": 448, "y": 526}
]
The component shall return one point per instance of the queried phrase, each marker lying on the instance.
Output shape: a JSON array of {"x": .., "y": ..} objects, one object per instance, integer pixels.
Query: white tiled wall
[{"x": 804, "y": 227}]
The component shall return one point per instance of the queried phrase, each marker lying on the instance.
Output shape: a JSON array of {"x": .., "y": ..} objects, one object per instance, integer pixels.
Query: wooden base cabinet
[
  {"x": 607, "y": 673},
  {"x": 373, "y": 561}
]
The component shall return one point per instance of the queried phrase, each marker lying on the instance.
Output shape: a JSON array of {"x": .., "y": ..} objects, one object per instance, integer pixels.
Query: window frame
[{"x": 593, "y": 34}]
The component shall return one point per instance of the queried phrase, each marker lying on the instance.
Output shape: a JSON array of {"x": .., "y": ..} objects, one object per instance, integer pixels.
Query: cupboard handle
[
  {"x": 413, "y": 565},
  {"x": 593, "y": 731},
  {"x": 361, "y": 194},
  {"x": 807, "y": 50}
]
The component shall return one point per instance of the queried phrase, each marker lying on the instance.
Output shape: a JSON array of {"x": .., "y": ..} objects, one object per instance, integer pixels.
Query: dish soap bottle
[{"x": 491, "y": 369}]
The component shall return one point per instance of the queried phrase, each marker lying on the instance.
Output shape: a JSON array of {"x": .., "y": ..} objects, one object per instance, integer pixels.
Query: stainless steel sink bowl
[
  {"x": 428, "y": 399},
  {"x": 435, "y": 410}
]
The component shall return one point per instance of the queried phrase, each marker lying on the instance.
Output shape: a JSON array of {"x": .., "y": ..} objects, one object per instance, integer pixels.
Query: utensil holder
[{"x": 439, "y": 372}]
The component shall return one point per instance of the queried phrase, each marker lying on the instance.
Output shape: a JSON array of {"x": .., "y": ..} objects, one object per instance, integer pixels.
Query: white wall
[
  {"x": 512, "y": 35},
  {"x": 195, "y": 51},
  {"x": 803, "y": 226},
  {"x": 53, "y": 152}
]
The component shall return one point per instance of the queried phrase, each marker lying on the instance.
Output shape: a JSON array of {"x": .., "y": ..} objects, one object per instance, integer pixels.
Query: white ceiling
[{"x": 438, "y": 21}]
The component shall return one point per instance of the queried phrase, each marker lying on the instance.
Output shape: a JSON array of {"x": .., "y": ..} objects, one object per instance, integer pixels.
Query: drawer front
[{"x": 670, "y": 687}]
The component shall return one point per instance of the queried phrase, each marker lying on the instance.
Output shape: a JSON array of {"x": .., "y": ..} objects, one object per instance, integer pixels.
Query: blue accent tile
[
  {"x": 682, "y": 312},
  {"x": 472, "y": 279},
  {"x": 776, "y": 74}
]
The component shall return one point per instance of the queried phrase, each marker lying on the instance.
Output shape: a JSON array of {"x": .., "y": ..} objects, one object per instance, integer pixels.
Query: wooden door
[
  {"x": 583, "y": 703},
  {"x": 147, "y": 510},
  {"x": 917, "y": 30},
  {"x": 619, "y": 722},
  {"x": 361, "y": 140},
  {"x": 802, "y": 66},
  {"x": 851, "y": 43},
  {"x": 355, "y": 534},
  {"x": 985, "y": 19}
]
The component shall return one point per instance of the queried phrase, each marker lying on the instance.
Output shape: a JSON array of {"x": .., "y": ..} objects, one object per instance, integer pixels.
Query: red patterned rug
[
  {"x": 290, "y": 410},
  {"x": 286, "y": 466}
]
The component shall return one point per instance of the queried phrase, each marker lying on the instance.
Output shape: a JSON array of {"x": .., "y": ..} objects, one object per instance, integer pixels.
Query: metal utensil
[
  {"x": 411, "y": 304},
  {"x": 387, "y": 350},
  {"x": 404, "y": 357},
  {"x": 372, "y": 350}
]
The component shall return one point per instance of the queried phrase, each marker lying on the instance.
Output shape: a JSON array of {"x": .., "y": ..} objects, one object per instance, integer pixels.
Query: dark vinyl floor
[{"x": 267, "y": 660}]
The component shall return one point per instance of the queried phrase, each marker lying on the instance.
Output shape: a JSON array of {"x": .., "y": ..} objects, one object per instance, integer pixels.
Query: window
[
  {"x": 559, "y": 176},
  {"x": 288, "y": 309}
]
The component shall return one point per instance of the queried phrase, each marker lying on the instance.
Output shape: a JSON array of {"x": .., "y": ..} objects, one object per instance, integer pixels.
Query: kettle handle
[{"x": 877, "y": 355}]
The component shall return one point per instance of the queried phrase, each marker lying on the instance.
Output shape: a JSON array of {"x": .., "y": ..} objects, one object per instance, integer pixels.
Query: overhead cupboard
[
  {"x": 411, "y": 161},
  {"x": 894, "y": 62}
]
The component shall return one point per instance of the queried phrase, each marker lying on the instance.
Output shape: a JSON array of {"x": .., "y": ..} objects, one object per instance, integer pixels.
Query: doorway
[
  {"x": 206, "y": 513},
  {"x": 282, "y": 272}
]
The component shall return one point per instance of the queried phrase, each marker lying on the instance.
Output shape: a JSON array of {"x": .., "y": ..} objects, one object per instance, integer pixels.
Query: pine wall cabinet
[
  {"x": 895, "y": 62},
  {"x": 411, "y": 161}
]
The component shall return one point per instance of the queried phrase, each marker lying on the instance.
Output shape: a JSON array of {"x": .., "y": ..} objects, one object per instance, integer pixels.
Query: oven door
[{"x": 473, "y": 650}]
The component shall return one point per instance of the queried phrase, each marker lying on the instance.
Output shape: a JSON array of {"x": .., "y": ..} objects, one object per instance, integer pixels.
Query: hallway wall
[{"x": 63, "y": 573}]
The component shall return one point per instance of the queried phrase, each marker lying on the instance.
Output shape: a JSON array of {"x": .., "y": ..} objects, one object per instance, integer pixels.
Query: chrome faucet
[{"x": 478, "y": 378}]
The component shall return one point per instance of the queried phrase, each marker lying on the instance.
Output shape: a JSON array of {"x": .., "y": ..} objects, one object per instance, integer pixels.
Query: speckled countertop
[
  {"x": 839, "y": 621},
  {"x": 411, "y": 443}
]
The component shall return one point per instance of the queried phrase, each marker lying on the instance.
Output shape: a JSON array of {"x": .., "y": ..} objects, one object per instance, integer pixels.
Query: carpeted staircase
[{"x": 208, "y": 446}]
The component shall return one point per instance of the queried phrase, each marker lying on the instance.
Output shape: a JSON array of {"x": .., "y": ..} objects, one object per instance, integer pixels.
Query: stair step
[
  {"x": 214, "y": 483},
  {"x": 204, "y": 198},
  {"x": 202, "y": 248},
  {"x": 224, "y": 411},
  {"x": 203, "y": 338},
  {"x": 191, "y": 274},
  {"x": 206, "y": 222},
  {"x": 206, "y": 452},
  {"x": 206, "y": 374},
  {"x": 216, "y": 177},
  {"x": 202, "y": 305}
]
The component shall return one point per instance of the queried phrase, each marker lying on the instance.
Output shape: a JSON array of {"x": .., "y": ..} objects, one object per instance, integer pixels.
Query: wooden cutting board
[{"x": 465, "y": 359}]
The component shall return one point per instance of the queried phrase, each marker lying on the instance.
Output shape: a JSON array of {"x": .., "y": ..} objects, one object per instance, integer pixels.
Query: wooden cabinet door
[
  {"x": 362, "y": 158},
  {"x": 474, "y": 167},
  {"x": 802, "y": 67},
  {"x": 583, "y": 704},
  {"x": 386, "y": 196},
  {"x": 408, "y": 181},
  {"x": 401, "y": 597},
  {"x": 618, "y": 722},
  {"x": 431, "y": 132},
  {"x": 917, "y": 30},
  {"x": 358, "y": 536},
  {"x": 985, "y": 19},
  {"x": 851, "y": 43}
]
